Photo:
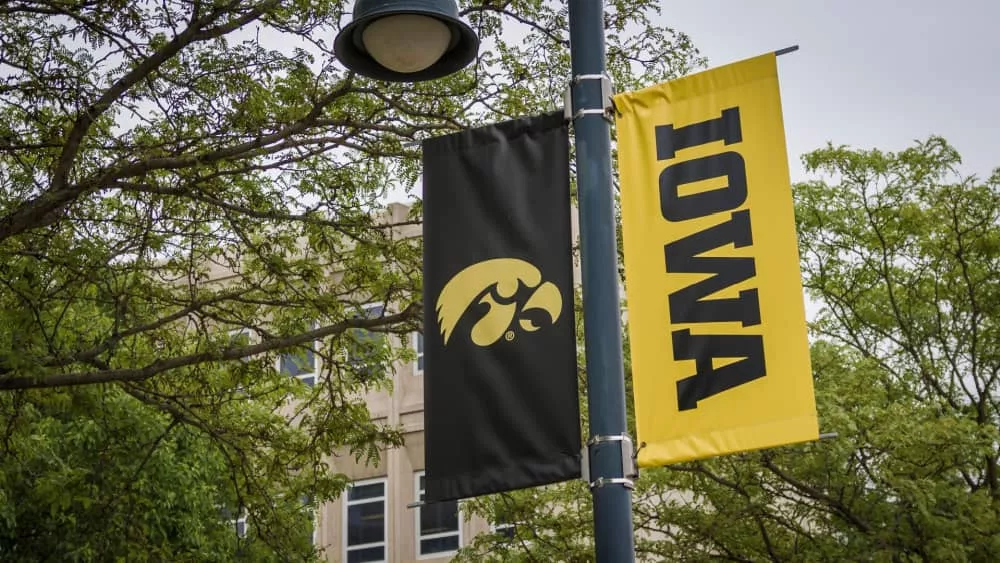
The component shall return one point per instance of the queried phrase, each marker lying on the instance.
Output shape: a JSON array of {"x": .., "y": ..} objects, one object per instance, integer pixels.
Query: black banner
[{"x": 501, "y": 408}]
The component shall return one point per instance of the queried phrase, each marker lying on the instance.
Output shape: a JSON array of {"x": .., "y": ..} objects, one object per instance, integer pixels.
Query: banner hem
[{"x": 743, "y": 439}]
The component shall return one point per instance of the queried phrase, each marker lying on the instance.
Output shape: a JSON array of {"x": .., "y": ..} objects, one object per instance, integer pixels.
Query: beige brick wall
[{"x": 404, "y": 406}]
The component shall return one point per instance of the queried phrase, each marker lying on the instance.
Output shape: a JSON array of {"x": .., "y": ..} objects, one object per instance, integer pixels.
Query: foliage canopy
[{"x": 175, "y": 171}]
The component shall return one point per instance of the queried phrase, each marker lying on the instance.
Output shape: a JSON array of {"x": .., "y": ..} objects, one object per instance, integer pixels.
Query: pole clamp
[
  {"x": 602, "y": 481},
  {"x": 607, "y": 91},
  {"x": 629, "y": 468}
]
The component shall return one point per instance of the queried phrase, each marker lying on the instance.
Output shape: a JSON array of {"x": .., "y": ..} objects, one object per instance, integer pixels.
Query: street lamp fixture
[{"x": 406, "y": 40}]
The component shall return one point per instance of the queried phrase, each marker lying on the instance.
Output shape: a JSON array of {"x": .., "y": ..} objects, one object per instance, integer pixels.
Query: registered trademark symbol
[{"x": 509, "y": 335}]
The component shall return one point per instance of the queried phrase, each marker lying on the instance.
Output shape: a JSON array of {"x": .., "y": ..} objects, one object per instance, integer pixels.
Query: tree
[
  {"x": 900, "y": 251},
  {"x": 175, "y": 173},
  {"x": 93, "y": 474}
]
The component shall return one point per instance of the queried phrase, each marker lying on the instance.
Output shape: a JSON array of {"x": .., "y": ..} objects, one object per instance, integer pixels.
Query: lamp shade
[{"x": 406, "y": 40}]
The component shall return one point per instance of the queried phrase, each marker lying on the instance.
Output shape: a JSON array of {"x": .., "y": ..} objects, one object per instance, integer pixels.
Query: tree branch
[{"x": 235, "y": 353}]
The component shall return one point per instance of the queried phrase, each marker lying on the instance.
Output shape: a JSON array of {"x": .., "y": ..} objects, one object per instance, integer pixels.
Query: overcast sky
[
  {"x": 868, "y": 73},
  {"x": 874, "y": 73}
]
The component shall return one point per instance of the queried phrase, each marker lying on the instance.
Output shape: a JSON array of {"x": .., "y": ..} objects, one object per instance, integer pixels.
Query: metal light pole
[
  {"x": 609, "y": 447},
  {"x": 415, "y": 40}
]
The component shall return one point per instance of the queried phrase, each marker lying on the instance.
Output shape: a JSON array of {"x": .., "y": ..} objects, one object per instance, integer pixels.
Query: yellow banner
[{"x": 720, "y": 358}]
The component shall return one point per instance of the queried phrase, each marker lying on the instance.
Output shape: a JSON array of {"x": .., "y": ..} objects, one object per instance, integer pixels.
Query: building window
[
  {"x": 418, "y": 347},
  {"x": 301, "y": 364},
  {"x": 364, "y": 522},
  {"x": 438, "y": 530},
  {"x": 239, "y": 338},
  {"x": 313, "y": 518},
  {"x": 236, "y": 519},
  {"x": 503, "y": 528},
  {"x": 241, "y": 525},
  {"x": 364, "y": 350}
]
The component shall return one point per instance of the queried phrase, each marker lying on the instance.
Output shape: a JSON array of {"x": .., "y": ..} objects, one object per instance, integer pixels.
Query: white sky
[{"x": 869, "y": 74}]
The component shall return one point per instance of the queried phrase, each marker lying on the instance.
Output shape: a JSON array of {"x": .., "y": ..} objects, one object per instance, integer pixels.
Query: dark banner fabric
[{"x": 501, "y": 408}]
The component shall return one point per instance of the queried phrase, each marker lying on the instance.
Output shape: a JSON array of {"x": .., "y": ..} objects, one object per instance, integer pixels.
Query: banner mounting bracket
[
  {"x": 607, "y": 91},
  {"x": 602, "y": 481},
  {"x": 629, "y": 471}
]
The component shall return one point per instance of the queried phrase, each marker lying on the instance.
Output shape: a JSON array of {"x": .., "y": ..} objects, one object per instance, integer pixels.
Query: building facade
[
  {"x": 376, "y": 518},
  {"x": 379, "y": 517}
]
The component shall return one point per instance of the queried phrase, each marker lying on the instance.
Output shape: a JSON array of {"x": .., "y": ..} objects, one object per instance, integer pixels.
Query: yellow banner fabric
[{"x": 720, "y": 356}]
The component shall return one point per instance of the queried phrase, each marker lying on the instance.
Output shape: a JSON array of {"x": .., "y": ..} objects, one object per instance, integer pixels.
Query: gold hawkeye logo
[{"x": 489, "y": 281}]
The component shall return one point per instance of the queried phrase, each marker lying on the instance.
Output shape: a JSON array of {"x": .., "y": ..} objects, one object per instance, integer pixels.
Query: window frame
[
  {"x": 384, "y": 481},
  {"x": 234, "y": 520},
  {"x": 313, "y": 349},
  {"x": 232, "y": 334},
  {"x": 417, "y": 342},
  {"x": 418, "y": 537},
  {"x": 241, "y": 519},
  {"x": 365, "y": 308},
  {"x": 315, "y": 524},
  {"x": 314, "y": 513},
  {"x": 506, "y": 529}
]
